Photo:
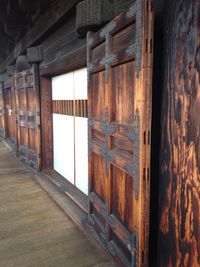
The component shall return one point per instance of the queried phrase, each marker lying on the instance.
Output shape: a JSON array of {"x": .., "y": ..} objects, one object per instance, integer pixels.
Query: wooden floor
[{"x": 34, "y": 231}]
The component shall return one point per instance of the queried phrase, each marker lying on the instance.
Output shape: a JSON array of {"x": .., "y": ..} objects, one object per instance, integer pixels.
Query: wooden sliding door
[
  {"x": 2, "y": 127},
  {"x": 28, "y": 108},
  {"x": 10, "y": 113},
  {"x": 120, "y": 80}
]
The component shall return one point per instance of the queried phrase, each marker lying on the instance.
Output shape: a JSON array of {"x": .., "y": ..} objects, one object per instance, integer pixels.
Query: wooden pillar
[
  {"x": 179, "y": 193},
  {"x": 46, "y": 122}
]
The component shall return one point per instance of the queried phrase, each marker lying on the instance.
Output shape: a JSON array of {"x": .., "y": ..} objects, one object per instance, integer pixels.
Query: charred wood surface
[{"x": 179, "y": 199}]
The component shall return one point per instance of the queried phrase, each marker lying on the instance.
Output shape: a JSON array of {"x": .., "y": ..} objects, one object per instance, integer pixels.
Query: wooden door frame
[
  {"x": 66, "y": 65},
  {"x": 9, "y": 85},
  {"x": 5, "y": 121},
  {"x": 3, "y": 110},
  {"x": 47, "y": 72},
  {"x": 47, "y": 147}
]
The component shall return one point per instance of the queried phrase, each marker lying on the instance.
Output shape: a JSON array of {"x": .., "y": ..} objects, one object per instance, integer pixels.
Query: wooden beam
[
  {"x": 67, "y": 63},
  {"x": 45, "y": 23},
  {"x": 22, "y": 63},
  {"x": 35, "y": 54},
  {"x": 11, "y": 69}
]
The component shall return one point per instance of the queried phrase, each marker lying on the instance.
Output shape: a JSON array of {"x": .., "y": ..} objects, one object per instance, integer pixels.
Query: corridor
[{"x": 34, "y": 231}]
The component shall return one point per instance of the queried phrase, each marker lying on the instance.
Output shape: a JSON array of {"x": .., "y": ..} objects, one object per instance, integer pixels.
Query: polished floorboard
[{"x": 34, "y": 231}]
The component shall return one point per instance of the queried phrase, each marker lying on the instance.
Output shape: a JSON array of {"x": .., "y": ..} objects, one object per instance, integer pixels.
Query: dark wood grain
[
  {"x": 46, "y": 123},
  {"x": 29, "y": 119},
  {"x": 179, "y": 196}
]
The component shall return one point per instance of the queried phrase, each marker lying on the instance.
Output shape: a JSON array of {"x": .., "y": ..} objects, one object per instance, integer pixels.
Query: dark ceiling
[{"x": 16, "y": 18}]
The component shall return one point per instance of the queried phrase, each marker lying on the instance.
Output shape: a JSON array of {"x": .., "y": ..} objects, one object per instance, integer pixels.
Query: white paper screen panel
[
  {"x": 81, "y": 153},
  {"x": 70, "y": 134},
  {"x": 63, "y": 87},
  {"x": 80, "y": 84},
  {"x": 63, "y": 145},
  {"x": 81, "y": 133}
]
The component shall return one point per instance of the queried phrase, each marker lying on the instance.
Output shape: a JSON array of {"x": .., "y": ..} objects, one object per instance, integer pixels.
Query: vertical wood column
[
  {"x": 2, "y": 121},
  {"x": 46, "y": 122},
  {"x": 179, "y": 196}
]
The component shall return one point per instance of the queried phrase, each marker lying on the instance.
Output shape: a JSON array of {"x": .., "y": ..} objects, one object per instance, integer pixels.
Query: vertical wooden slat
[{"x": 36, "y": 86}]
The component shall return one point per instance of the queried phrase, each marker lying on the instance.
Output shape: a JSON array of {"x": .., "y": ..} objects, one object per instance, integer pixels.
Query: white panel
[
  {"x": 62, "y": 87},
  {"x": 81, "y": 153},
  {"x": 80, "y": 84},
  {"x": 63, "y": 145}
]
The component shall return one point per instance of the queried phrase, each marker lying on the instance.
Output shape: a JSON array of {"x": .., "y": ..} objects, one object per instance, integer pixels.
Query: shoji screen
[
  {"x": 63, "y": 128},
  {"x": 70, "y": 131},
  {"x": 81, "y": 131}
]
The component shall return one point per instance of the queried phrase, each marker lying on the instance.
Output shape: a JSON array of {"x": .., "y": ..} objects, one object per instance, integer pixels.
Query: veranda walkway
[{"x": 34, "y": 231}]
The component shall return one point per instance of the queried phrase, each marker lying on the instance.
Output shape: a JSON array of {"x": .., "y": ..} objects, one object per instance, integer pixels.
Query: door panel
[
  {"x": 28, "y": 128},
  {"x": 123, "y": 93},
  {"x": 10, "y": 113},
  {"x": 81, "y": 130},
  {"x": 63, "y": 125},
  {"x": 81, "y": 153},
  {"x": 119, "y": 91},
  {"x": 63, "y": 145},
  {"x": 63, "y": 87},
  {"x": 7, "y": 101}
]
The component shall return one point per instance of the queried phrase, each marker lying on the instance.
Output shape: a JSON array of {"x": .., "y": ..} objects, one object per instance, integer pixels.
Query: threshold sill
[{"x": 70, "y": 190}]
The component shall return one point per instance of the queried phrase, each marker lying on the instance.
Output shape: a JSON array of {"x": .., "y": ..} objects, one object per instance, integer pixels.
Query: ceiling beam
[{"x": 44, "y": 24}]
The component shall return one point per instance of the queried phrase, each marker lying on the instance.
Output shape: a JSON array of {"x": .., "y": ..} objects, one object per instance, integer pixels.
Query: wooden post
[{"x": 179, "y": 195}]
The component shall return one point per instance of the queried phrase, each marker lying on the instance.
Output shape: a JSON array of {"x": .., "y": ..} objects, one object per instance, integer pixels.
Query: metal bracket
[
  {"x": 134, "y": 136},
  {"x": 108, "y": 58},
  {"x": 135, "y": 249},
  {"x": 129, "y": 168},
  {"x": 131, "y": 50},
  {"x": 113, "y": 127},
  {"x": 90, "y": 67},
  {"x": 108, "y": 28},
  {"x": 90, "y": 123},
  {"x": 106, "y": 61},
  {"x": 131, "y": 12},
  {"x": 108, "y": 158},
  {"x": 90, "y": 147},
  {"x": 108, "y": 129}
]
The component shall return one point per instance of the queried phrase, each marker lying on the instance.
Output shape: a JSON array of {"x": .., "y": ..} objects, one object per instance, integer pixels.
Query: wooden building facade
[{"x": 102, "y": 97}]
